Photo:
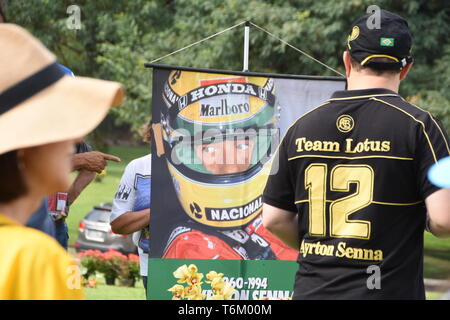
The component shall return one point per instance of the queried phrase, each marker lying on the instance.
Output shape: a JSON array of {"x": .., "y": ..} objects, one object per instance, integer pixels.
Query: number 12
[{"x": 340, "y": 210}]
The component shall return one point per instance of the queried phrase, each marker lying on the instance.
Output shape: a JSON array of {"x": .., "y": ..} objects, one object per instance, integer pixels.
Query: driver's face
[{"x": 229, "y": 156}]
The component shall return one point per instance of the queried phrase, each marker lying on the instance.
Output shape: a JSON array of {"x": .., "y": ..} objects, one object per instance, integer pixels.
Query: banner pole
[{"x": 246, "y": 44}]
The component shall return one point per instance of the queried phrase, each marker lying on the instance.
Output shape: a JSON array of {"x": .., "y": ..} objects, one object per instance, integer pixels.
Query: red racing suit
[{"x": 252, "y": 243}]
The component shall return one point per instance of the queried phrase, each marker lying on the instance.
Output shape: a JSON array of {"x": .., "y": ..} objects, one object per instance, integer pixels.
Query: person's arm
[
  {"x": 431, "y": 146},
  {"x": 130, "y": 212},
  {"x": 282, "y": 223},
  {"x": 82, "y": 180},
  {"x": 438, "y": 207},
  {"x": 92, "y": 161},
  {"x": 279, "y": 211},
  {"x": 130, "y": 222}
]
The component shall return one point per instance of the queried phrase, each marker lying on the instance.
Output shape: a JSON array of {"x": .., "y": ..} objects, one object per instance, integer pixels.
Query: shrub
[
  {"x": 133, "y": 267},
  {"x": 90, "y": 261},
  {"x": 112, "y": 263}
]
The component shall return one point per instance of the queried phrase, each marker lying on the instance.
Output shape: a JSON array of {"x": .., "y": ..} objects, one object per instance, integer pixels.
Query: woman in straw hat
[{"x": 43, "y": 113}]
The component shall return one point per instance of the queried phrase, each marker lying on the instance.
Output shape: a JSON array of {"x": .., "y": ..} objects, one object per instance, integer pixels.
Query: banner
[{"x": 215, "y": 134}]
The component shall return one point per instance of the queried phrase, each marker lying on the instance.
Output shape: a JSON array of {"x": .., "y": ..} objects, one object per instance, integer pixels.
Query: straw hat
[{"x": 39, "y": 104}]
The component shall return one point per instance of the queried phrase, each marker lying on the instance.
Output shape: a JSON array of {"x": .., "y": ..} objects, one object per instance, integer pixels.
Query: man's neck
[{"x": 358, "y": 82}]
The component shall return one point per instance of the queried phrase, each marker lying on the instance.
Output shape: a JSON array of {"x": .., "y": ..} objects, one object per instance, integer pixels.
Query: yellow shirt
[{"x": 33, "y": 266}]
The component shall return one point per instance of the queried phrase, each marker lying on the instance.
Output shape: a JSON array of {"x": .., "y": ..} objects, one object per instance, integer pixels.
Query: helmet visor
[{"x": 226, "y": 153}]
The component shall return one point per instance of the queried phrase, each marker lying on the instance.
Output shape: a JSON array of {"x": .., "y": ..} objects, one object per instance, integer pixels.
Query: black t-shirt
[
  {"x": 355, "y": 171},
  {"x": 82, "y": 147}
]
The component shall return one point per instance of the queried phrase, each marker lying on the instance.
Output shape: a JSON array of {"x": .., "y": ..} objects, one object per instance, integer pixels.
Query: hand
[{"x": 92, "y": 161}]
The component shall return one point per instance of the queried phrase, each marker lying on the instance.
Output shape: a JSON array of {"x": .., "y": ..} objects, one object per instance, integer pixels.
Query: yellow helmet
[{"x": 220, "y": 131}]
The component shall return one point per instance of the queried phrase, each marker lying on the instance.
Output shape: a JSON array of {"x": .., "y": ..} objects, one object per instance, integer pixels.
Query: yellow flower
[
  {"x": 189, "y": 275},
  {"x": 227, "y": 291},
  {"x": 195, "y": 279},
  {"x": 192, "y": 269},
  {"x": 212, "y": 275},
  {"x": 194, "y": 292},
  {"x": 182, "y": 273},
  {"x": 177, "y": 291},
  {"x": 222, "y": 289},
  {"x": 217, "y": 284},
  {"x": 198, "y": 297}
]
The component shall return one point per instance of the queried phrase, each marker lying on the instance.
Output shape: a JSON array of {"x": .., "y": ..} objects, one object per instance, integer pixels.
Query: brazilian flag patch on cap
[{"x": 387, "y": 42}]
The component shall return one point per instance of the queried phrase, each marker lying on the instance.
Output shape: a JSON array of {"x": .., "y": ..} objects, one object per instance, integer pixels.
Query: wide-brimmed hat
[{"x": 39, "y": 103}]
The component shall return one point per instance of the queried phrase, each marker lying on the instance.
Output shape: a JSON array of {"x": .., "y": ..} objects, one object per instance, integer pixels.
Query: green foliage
[
  {"x": 90, "y": 262},
  {"x": 117, "y": 37},
  {"x": 112, "y": 263}
]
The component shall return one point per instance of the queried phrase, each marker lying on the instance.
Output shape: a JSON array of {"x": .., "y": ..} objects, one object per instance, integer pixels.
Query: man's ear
[
  {"x": 347, "y": 63},
  {"x": 404, "y": 72}
]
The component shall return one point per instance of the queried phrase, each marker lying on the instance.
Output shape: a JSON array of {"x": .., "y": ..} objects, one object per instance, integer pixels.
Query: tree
[{"x": 117, "y": 37}]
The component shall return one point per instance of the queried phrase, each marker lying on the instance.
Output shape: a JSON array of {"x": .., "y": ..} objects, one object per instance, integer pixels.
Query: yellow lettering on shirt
[{"x": 349, "y": 146}]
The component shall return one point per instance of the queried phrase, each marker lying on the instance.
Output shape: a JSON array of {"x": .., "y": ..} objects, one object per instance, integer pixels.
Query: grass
[
  {"x": 116, "y": 292},
  {"x": 436, "y": 259},
  {"x": 433, "y": 295},
  {"x": 434, "y": 243}
]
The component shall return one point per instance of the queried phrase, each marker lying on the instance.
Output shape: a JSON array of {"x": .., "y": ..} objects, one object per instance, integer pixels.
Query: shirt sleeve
[
  {"x": 42, "y": 270},
  {"x": 279, "y": 191},
  {"x": 125, "y": 195},
  {"x": 83, "y": 147},
  {"x": 432, "y": 145}
]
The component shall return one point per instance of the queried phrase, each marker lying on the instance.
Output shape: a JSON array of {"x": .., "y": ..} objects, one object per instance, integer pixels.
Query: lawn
[
  {"x": 116, "y": 292},
  {"x": 437, "y": 257},
  {"x": 436, "y": 260}
]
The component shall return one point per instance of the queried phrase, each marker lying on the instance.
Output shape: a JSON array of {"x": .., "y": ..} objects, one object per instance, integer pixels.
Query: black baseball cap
[{"x": 382, "y": 34}]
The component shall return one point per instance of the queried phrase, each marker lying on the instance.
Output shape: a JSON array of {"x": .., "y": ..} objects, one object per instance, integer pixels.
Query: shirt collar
[{"x": 363, "y": 93}]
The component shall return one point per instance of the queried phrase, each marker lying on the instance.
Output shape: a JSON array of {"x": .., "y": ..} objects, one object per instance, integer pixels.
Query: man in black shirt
[{"x": 351, "y": 189}]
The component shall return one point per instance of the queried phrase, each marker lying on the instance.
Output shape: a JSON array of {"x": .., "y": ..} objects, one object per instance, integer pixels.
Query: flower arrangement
[
  {"x": 130, "y": 270},
  {"x": 90, "y": 261},
  {"x": 112, "y": 264},
  {"x": 193, "y": 290},
  {"x": 133, "y": 266}
]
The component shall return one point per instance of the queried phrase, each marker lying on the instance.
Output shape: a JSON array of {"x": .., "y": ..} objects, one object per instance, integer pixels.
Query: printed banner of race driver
[{"x": 214, "y": 137}]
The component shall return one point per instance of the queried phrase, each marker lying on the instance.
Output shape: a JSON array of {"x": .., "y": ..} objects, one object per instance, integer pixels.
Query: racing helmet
[{"x": 219, "y": 132}]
